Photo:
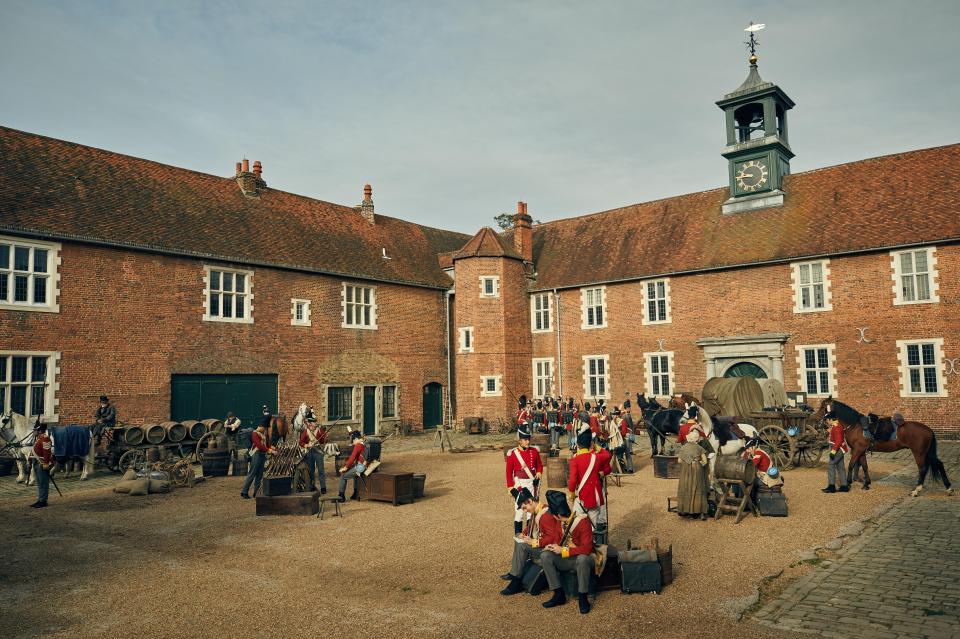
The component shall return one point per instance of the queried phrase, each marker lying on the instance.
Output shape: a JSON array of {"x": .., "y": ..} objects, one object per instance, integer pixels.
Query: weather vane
[{"x": 753, "y": 42}]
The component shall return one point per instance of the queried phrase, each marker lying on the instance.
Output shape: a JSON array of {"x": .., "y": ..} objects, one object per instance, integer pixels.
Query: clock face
[{"x": 751, "y": 175}]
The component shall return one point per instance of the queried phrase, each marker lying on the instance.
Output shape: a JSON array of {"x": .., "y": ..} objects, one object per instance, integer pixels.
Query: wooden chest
[
  {"x": 296, "y": 504},
  {"x": 666, "y": 467},
  {"x": 396, "y": 488}
]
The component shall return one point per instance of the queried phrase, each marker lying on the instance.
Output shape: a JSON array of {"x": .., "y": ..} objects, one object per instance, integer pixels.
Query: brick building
[{"x": 180, "y": 293}]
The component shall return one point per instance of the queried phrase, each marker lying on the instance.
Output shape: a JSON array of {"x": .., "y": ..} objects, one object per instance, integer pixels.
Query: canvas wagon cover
[
  {"x": 773, "y": 393},
  {"x": 732, "y": 396}
]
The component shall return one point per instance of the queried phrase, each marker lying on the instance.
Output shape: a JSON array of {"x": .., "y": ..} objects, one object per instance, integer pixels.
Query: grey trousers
[
  {"x": 255, "y": 474},
  {"x": 554, "y": 435},
  {"x": 43, "y": 481},
  {"x": 553, "y": 564},
  {"x": 313, "y": 459},
  {"x": 350, "y": 474},
  {"x": 836, "y": 467},
  {"x": 521, "y": 553}
]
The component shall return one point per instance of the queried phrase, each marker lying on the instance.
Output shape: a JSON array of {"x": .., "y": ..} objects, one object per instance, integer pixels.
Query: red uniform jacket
[
  {"x": 837, "y": 441},
  {"x": 356, "y": 456},
  {"x": 761, "y": 460},
  {"x": 595, "y": 425},
  {"x": 548, "y": 531},
  {"x": 515, "y": 469},
  {"x": 43, "y": 448},
  {"x": 624, "y": 428},
  {"x": 259, "y": 441},
  {"x": 592, "y": 494},
  {"x": 321, "y": 437},
  {"x": 523, "y": 416},
  {"x": 580, "y": 541}
]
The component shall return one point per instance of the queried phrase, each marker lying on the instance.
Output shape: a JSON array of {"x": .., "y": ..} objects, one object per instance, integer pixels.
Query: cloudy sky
[{"x": 456, "y": 110}]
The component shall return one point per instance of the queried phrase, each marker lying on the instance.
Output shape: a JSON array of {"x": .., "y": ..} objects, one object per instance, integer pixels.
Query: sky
[{"x": 454, "y": 111}]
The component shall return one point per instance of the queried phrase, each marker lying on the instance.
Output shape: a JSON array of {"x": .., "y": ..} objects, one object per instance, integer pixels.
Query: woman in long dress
[{"x": 693, "y": 486}]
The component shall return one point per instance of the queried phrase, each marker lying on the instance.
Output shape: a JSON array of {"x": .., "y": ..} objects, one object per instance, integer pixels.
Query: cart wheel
[
  {"x": 781, "y": 447},
  {"x": 133, "y": 458},
  {"x": 202, "y": 444},
  {"x": 181, "y": 473},
  {"x": 808, "y": 455}
]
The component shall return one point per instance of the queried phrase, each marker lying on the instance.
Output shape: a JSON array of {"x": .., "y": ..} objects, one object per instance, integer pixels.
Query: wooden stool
[
  {"x": 326, "y": 499},
  {"x": 731, "y": 504}
]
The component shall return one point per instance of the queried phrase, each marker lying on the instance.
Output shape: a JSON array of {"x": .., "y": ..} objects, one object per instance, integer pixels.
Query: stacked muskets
[{"x": 283, "y": 461}]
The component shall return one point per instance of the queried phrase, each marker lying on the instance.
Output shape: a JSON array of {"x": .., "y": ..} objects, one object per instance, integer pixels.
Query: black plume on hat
[
  {"x": 584, "y": 437},
  {"x": 524, "y": 496},
  {"x": 355, "y": 435},
  {"x": 557, "y": 503},
  {"x": 523, "y": 434},
  {"x": 586, "y": 405}
]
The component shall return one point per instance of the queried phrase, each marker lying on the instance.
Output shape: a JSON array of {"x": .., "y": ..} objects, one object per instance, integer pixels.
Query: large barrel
[
  {"x": 558, "y": 472},
  {"x": 176, "y": 432},
  {"x": 216, "y": 462},
  {"x": 195, "y": 429},
  {"x": 540, "y": 440},
  {"x": 133, "y": 435},
  {"x": 241, "y": 465},
  {"x": 214, "y": 425},
  {"x": 733, "y": 467},
  {"x": 154, "y": 433}
]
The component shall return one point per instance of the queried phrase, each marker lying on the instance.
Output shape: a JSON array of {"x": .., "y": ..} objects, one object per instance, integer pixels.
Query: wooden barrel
[
  {"x": 154, "y": 433},
  {"x": 241, "y": 466},
  {"x": 733, "y": 467},
  {"x": 558, "y": 472},
  {"x": 176, "y": 432},
  {"x": 216, "y": 462},
  {"x": 540, "y": 440},
  {"x": 152, "y": 454},
  {"x": 666, "y": 467},
  {"x": 195, "y": 429},
  {"x": 133, "y": 435},
  {"x": 214, "y": 425}
]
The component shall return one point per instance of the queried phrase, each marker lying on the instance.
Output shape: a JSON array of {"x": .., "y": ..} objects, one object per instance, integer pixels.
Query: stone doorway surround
[{"x": 765, "y": 350}]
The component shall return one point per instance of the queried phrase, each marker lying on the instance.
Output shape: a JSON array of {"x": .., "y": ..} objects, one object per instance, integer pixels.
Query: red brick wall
[{"x": 129, "y": 320}]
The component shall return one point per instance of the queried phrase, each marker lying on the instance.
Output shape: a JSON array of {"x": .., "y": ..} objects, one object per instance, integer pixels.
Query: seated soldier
[
  {"x": 543, "y": 528},
  {"x": 572, "y": 553}
]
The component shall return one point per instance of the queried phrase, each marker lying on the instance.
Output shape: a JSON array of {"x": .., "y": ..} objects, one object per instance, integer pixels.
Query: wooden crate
[
  {"x": 296, "y": 504},
  {"x": 395, "y": 487},
  {"x": 666, "y": 466}
]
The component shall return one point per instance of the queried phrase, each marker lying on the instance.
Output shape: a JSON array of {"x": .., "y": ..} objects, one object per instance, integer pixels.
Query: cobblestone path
[{"x": 899, "y": 580}]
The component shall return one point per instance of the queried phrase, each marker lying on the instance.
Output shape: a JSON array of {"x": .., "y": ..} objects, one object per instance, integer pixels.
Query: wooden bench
[{"x": 327, "y": 499}]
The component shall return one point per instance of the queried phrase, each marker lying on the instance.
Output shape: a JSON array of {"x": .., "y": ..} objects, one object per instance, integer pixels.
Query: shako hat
[
  {"x": 523, "y": 434},
  {"x": 557, "y": 503},
  {"x": 524, "y": 496},
  {"x": 584, "y": 437}
]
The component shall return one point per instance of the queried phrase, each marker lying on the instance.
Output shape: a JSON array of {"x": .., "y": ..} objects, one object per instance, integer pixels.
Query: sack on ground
[
  {"x": 123, "y": 486},
  {"x": 159, "y": 486},
  {"x": 131, "y": 474},
  {"x": 139, "y": 487}
]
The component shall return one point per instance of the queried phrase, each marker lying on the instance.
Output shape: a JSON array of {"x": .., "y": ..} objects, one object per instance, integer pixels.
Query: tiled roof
[
  {"x": 895, "y": 200},
  {"x": 486, "y": 243},
  {"x": 63, "y": 190}
]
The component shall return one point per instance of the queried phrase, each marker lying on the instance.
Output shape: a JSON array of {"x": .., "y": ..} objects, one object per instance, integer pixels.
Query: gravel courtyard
[{"x": 197, "y": 562}]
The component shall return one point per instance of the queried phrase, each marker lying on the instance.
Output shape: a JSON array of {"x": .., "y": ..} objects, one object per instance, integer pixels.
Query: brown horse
[
  {"x": 277, "y": 429},
  {"x": 681, "y": 400},
  {"x": 916, "y": 436}
]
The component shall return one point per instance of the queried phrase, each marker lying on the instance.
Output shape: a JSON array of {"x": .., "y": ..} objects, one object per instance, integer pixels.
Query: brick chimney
[
  {"x": 523, "y": 232},
  {"x": 250, "y": 182},
  {"x": 366, "y": 206}
]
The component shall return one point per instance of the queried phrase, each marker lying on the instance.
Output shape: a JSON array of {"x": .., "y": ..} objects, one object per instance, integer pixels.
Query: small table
[{"x": 326, "y": 499}]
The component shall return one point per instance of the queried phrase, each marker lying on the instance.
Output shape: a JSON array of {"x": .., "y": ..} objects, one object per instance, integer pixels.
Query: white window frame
[
  {"x": 372, "y": 326},
  {"x": 605, "y": 377},
  {"x": 939, "y": 365},
  {"x": 248, "y": 295},
  {"x": 898, "y": 275},
  {"x": 544, "y": 313},
  {"x": 649, "y": 373},
  {"x": 305, "y": 320},
  {"x": 464, "y": 331},
  {"x": 546, "y": 381},
  {"x": 496, "y": 286},
  {"x": 584, "y": 314},
  {"x": 646, "y": 301},
  {"x": 831, "y": 369},
  {"x": 52, "y": 275},
  {"x": 497, "y": 392},
  {"x": 798, "y": 286},
  {"x": 51, "y": 398}
]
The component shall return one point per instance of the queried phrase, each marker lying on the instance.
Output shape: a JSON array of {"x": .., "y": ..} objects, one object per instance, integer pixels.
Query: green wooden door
[
  {"x": 205, "y": 396},
  {"x": 432, "y": 405},
  {"x": 369, "y": 410}
]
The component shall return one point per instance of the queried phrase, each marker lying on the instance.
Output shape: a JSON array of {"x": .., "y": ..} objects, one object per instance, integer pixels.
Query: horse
[
  {"x": 721, "y": 434},
  {"x": 682, "y": 400},
  {"x": 19, "y": 436},
  {"x": 300, "y": 417},
  {"x": 71, "y": 444},
  {"x": 277, "y": 429},
  {"x": 916, "y": 436},
  {"x": 661, "y": 423}
]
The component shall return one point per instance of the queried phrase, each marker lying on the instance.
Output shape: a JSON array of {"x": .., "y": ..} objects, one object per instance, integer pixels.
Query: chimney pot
[
  {"x": 246, "y": 165},
  {"x": 238, "y": 168},
  {"x": 257, "y": 167},
  {"x": 367, "y": 192},
  {"x": 522, "y": 233}
]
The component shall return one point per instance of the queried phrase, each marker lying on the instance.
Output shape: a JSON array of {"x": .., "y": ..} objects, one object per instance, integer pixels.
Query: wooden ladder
[{"x": 731, "y": 504}]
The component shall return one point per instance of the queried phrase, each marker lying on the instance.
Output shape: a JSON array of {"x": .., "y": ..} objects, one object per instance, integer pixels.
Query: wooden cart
[{"x": 791, "y": 437}]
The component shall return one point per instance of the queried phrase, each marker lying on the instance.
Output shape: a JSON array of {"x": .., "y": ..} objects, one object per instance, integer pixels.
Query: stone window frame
[
  {"x": 897, "y": 275},
  {"x": 644, "y": 292},
  {"x": 51, "y": 400},
  {"x": 797, "y": 286},
  {"x": 939, "y": 366},
  {"x": 248, "y": 294},
  {"x": 831, "y": 369},
  {"x": 374, "y": 308},
  {"x": 543, "y": 313},
  {"x": 648, "y": 373},
  {"x": 305, "y": 320},
  {"x": 52, "y": 275},
  {"x": 603, "y": 378},
  {"x": 484, "y": 386},
  {"x": 550, "y": 384},
  {"x": 584, "y": 307},
  {"x": 463, "y": 332},
  {"x": 495, "y": 279}
]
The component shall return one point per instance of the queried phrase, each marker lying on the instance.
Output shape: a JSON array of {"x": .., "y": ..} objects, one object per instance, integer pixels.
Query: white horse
[
  {"x": 300, "y": 419},
  {"x": 732, "y": 447},
  {"x": 16, "y": 432}
]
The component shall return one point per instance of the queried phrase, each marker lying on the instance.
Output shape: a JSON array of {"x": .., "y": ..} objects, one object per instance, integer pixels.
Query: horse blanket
[
  {"x": 70, "y": 441},
  {"x": 732, "y": 396}
]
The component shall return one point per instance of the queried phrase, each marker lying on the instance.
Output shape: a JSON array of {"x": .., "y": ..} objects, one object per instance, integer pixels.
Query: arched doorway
[
  {"x": 746, "y": 369},
  {"x": 432, "y": 405}
]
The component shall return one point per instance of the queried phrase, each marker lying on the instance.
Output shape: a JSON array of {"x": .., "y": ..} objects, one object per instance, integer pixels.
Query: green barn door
[
  {"x": 432, "y": 405},
  {"x": 369, "y": 410},
  {"x": 206, "y": 396}
]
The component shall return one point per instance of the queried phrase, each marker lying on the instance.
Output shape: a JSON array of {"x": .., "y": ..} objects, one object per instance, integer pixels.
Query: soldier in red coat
[
  {"x": 587, "y": 470},
  {"x": 835, "y": 467},
  {"x": 524, "y": 470},
  {"x": 43, "y": 451},
  {"x": 543, "y": 529},
  {"x": 574, "y": 552}
]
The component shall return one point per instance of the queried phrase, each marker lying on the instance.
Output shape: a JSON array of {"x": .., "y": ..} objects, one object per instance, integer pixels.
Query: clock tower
[{"x": 758, "y": 151}]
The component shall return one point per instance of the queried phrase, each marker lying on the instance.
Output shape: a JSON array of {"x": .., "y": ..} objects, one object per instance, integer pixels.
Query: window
[
  {"x": 300, "y": 312},
  {"x": 388, "y": 407},
  {"x": 596, "y": 376},
  {"x": 811, "y": 287},
  {"x": 659, "y": 373},
  {"x": 28, "y": 275},
  {"x": 543, "y": 377},
  {"x": 490, "y": 386},
  {"x": 540, "y": 307},
  {"x": 914, "y": 276},
  {"x": 656, "y": 301},
  {"x": 817, "y": 370},
  {"x": 466, "y": 339},
  {"x": 593, "y": 307},
  {"x": 27, "y": 383},
  {"x": 489, "y": 286},
  {"x": 922, "y": 368},
  {"x": 339, "y": 403},
  {"x": 359, "y": 306},
  {"x": 229, "y": 295}
]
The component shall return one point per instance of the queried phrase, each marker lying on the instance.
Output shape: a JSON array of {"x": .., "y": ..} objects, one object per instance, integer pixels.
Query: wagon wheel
[
  {"x": 779, "y": 445},
  {"x": 809, "y": 454},
  {"x": 133, "y": 458},
  {"x": 181, "y": 472},
  {"x": 202, "y": 444}
]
